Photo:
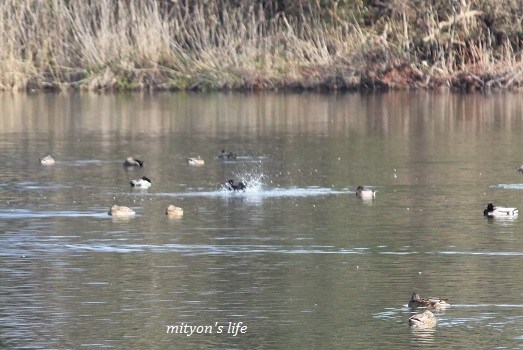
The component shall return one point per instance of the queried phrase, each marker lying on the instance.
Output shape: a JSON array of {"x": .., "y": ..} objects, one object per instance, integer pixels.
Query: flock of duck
[
  {"x": 425, "y": 319},
  {"x": 491, "y": 211},
  {"x": 144, "y": 182},
  {"x": 232, "y": 185}
]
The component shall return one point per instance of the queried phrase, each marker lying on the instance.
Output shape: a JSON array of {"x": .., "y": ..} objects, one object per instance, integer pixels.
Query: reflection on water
[
  {"x": 422, "y": 336},
  {"x": 297, "y": 257},
  {"x": 386, "y": 115}
]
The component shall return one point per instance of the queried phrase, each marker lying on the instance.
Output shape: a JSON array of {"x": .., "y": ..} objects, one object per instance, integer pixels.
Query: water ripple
[
  {"x": 482, "y": 253},
  {"x": 189, "y": 249},
  {"x": 509, "y": 186},
  {"x": 26, "y": 213},
  {"x": 259, "y": 193}
]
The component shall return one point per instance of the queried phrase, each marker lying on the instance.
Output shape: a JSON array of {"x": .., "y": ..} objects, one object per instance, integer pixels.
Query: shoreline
[{"x": 405, "y": 78}]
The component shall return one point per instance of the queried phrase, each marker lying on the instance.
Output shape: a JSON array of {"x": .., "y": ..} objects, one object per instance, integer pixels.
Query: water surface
[{"x": 297, "y": 258}]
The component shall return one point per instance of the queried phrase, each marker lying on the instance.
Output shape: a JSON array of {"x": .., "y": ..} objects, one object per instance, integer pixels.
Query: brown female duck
[{"x": 431, "y": 302}]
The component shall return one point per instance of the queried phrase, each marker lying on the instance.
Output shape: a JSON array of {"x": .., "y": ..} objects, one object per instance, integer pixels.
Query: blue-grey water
[{"x": 295, "y": 262}]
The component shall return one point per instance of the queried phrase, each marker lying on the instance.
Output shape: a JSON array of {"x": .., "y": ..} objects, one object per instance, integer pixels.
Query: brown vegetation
[{"x": 260, "y": 45}]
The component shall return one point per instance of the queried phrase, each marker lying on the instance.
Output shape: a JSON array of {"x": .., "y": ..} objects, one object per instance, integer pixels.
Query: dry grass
[{"x": 131, "y": 44}]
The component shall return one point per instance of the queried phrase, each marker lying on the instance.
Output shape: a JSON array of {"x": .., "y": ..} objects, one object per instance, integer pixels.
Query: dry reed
[{"x": 136, "y": 45}]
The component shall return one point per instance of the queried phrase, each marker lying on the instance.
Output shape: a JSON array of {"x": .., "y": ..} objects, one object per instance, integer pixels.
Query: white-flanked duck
[
  {"x": 47, "y": 160},
  {"x": 227, "y": 155},
  {"x": 425, "y": 319},
  {"x": 232, "y": 185},
  {"x": 118, "y": 210},
  {"x": 195, "y": 161},
  {"x": 430, "y": 302},
  {"x": 130, "y": 161},
  {"x": 365, "y": 193},
  {"x": 144, "y": 182},
  {"x": 173, "y": 211},
  {"x": 493, "y": 211}
]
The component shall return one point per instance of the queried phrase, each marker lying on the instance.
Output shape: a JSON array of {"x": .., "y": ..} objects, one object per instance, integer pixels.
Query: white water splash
[
  {"x": 509, "y": 186},
  {"x": 254, "y": 182}
]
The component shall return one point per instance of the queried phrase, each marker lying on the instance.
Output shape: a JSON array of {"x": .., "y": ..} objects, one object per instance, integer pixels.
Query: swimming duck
[
  {"x": 173, "y": 211},
  {"x": 520, "y": 169},
  {"x": 493, "y": 211},
  {"x": 144, "y": 182},
  {"x": 47, "y": 160},
  {"x": 365, "y": 193},
  {"x": 231, "y": 185},
  {"x": 226, "y": 155},
  {"x": 117, "y": 210},
  {"x": 425, "y": 319},
  {"x": 417, "y": 301},
  {"x": 130, "y": 161},
  {"x": 195, "y": 161}
]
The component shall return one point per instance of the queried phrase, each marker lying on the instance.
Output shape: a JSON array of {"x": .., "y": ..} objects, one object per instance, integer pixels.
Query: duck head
[
  {"x": 415, "y": 297},
  {"x": 490, "y": 209},
  {"x": 425, "y": 319}
]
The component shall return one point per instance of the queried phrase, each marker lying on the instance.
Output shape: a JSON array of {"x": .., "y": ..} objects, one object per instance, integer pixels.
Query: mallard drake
[
  {"x": 365, "y": 193},
  {"x": 173, "y": 211},
  {"x": 226, "y": 155},
  {"x": 195, "y": 161},
  {"x": 432, "y": 302},
  {"x": 493, "y": 211},
  {"x": 130, "y": 161},
  {"x": 425, "y": 319},
  {"x": 117, "y": 210},
  {"x": 144, "y": 182},
  {"x": 47, "y": 160},
  {"x": 232, "y": 185}
]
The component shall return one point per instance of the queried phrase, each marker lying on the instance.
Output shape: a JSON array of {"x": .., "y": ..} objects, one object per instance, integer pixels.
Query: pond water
[{"x": 295, "y": 261}]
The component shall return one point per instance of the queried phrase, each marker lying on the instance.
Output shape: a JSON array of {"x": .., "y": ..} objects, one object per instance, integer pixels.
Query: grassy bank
[{"x": 223, "y": 45}]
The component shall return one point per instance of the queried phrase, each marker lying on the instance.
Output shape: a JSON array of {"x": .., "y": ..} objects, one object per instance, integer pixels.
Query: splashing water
[
  {"x": 259, "y": 186},
  {"x": 253, "y": 181}
]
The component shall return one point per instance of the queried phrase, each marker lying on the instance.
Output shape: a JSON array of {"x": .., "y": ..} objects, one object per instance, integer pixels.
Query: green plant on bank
[{"x": 257, "y": 45}]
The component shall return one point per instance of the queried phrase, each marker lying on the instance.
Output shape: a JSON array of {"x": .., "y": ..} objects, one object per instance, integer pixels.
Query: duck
[
  {"x": 493, "y": 211},
  {"x": 195, "y": 161},
  {"x": 232, "y": 185},
  {"x": 47, "y": 160},
  {"x": 226, "y": 155},
  {"x": 173, "y": 211},
  {"x": 118, "y": 210},
  {"x": 365, "y": 193},
  {"x": 520, "y": 169},
  {"x": 130, "y": 161},
  {"x": 432, "y": 302},
  {"x": 144, "y": 182},
  {"x": 425, "y": 319}
]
